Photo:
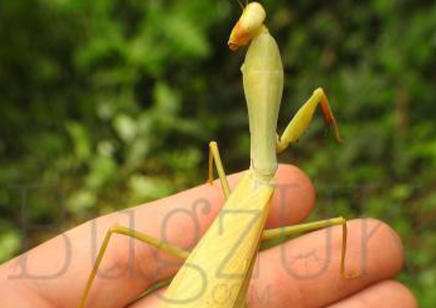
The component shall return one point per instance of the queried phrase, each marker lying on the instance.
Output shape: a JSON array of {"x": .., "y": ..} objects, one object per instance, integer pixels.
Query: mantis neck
[{"x": 263, "y": 86}]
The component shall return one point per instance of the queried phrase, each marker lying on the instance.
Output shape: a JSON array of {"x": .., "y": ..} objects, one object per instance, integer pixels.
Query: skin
[{"x": 273, "y": 286}]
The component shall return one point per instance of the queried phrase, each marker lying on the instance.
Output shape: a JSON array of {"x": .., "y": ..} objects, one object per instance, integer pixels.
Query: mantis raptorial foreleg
[
  {"x": 302, "y": 119},
  {"x": 214, "y": 155},
  {"x": 171, "y": 249}
]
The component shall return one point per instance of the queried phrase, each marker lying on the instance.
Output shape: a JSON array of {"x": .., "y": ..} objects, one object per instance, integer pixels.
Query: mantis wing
[
  {"x": 215, "y": 274},
  {"x": 240, "y": 300}
]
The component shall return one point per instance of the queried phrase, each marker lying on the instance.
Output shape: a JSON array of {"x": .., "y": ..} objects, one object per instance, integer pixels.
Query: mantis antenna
[{"x": 240, "y": 4}]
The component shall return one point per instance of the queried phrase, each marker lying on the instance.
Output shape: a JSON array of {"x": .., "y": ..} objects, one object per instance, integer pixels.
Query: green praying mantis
[{"x": 226, "y": 254}]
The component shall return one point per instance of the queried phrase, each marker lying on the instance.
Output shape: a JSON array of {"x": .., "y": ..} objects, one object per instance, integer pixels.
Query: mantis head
[{"x": 248, "y": 25}]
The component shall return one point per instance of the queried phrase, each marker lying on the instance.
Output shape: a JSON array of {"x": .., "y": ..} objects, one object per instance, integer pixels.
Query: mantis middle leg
[
  {"x": 310, "y": 226},
  {"x": 214, "y": 155}
]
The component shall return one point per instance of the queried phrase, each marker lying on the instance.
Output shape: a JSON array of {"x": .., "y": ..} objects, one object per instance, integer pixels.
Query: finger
[
  {"x": 180, "y": 219},
  {"x": 292, "y": 201},
  {"x": 387, "y": 293},
  {"x": 305, "y": 272},
  {"x": 151, "y": 300}
]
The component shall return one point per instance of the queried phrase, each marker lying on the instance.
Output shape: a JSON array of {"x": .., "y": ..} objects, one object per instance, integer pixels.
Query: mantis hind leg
[
  {"x": 214, "y": 155},
  {"x": 302, "y": 119},
  {"x": 291, "y": 230},
  {"x": 171, "y": 249}
]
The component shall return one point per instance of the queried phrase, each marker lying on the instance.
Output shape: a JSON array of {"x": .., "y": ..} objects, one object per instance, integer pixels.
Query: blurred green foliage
[{"x": 109, "y": 103}]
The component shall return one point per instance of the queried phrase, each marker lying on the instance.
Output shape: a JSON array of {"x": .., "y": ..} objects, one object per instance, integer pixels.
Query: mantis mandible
[{"x": 225, "y": 255}]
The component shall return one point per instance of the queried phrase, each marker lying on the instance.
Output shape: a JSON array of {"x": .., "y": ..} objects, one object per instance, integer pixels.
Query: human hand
[{"x": 303, "y": 272}]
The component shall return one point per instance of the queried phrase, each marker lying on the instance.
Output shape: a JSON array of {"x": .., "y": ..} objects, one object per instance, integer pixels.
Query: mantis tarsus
[{"x": 225, "y": 254}]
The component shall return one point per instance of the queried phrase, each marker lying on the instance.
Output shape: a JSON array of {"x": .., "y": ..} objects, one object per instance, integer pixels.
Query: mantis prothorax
[{"x": 225, "y": 254}]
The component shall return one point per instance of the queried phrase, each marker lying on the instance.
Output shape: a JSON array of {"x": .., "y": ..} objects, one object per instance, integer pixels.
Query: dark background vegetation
[{"x": 107, "y": 103}]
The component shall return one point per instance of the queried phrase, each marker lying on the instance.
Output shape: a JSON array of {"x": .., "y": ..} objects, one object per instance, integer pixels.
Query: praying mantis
[{"x": 225, "y": 255}]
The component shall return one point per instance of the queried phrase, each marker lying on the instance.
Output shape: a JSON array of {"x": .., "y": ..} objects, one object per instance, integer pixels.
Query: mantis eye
[{"x": 248, "y": 25}]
